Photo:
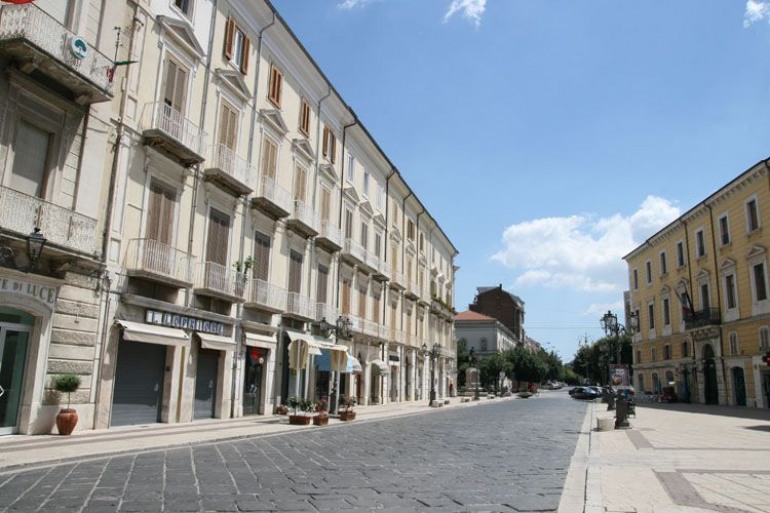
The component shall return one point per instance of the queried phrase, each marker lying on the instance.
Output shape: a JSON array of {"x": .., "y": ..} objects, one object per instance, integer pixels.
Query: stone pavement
[{"x": 675, "y": 458}]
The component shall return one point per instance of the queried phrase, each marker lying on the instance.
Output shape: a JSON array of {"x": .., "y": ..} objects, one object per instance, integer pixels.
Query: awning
[
  {"x": 217, "y": 342},
  {"x": 152, "y": 334},
  {"x": 333, "y": 357},
  {"x": 381, "y": 366},
  {"x": 263, "y": 341},
  {"x": 300, "y": 350},
  {"x": 353, "y": 365}
]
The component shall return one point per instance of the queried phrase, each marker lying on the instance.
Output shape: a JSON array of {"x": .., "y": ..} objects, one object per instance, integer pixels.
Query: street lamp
[
  {"x": 35, "y": 243},
  {"x": 433, "y": 354}
]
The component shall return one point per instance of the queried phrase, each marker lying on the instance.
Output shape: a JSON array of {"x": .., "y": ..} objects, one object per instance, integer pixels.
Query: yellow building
[{"x": 699, "y": 289}]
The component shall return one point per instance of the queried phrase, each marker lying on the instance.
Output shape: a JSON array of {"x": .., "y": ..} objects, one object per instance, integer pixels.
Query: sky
[{"x": 549, "y": 138}]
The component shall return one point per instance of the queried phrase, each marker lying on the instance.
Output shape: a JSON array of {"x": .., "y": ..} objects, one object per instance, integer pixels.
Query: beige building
[
  {"x": 208, "y": 200},
  {"x": 699, "y": 289}
]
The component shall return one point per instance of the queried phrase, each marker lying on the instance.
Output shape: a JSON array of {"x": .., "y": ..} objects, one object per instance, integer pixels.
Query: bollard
[
  {"x": 609, "y": 398},
  {"x": 621, "y": 413}
]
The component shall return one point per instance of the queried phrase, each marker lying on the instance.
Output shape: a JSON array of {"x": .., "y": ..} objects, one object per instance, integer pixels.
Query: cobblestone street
[{"x": 497, "y": 456}]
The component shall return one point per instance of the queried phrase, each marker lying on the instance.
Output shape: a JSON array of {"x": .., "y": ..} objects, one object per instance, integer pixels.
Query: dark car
[{"x": 585, "y": 393}]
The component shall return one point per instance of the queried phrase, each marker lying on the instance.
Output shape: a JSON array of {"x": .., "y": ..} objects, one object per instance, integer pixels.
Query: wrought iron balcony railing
[
  {"x": 220, "y": 280},
  {"x": 700, "y": 318},
  {"x": 263, "y": 294},
  {"x": 21, "y": 213},
  {"x": 168, "y": 128},
  {"x": 151, "y": 258},
  {"x": 235, "y": 171},
  {"x": 299, "y": 305}
]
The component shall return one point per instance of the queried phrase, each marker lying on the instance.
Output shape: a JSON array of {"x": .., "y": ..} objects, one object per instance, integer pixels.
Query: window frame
[
  {"x": 275, "y": 86},
  {"x": 753, "y": 218},
  {"x": 700, "y": 243},
  {"x": 304, "y": 117},
  {"x": 724, "y": 230},
  {"x": 663, "y": 264},
  {"x": 681, "y": 261}
]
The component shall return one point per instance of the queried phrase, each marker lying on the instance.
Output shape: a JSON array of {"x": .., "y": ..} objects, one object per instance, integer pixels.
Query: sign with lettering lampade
[
  {"x": 42, "y": 293},
  {"x": 183, "y": 322}
]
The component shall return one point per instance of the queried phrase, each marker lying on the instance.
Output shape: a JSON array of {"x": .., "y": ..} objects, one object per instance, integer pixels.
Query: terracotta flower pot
[
  {"x": 299, "y": 420},
  {"x": 320, "y": 420},
  {"x": 347, "y": 415},
  {"x": 66, "y": 421}
]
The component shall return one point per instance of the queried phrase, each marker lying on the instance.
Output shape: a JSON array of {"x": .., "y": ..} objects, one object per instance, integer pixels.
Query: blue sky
[{"x": 551, "y": 137}]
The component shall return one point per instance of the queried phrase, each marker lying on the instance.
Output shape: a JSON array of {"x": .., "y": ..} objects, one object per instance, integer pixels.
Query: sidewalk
[{"x": 675, "y": 458}]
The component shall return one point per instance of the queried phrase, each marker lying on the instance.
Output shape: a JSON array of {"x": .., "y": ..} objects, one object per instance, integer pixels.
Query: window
[
  {"x": 300, "y": 184},
  {"x": 326, "y": 204},
  {"x": 724, "y": 231},
  {"x": 380, "y": 196},
  {"x": 30, "y": 164},
  {"x": 174, "y": 95},
  {"x": 346, "y": 294},
  {"x": 276, "y": 86},
  {"x": 351, "y": 174},
  {"x": 680, "y": 254},
  {"x": 160, "y": 213},
  {"x": 705, "y": 300},
  {"x": 376, "y": 308},
  {"x": 648, "y": 269},
  {"x": 295, "y": 272},
  {"x": 304, "y": 118},
  {"x": 700, "y": 244},
  {"x": 228, "y": 127},
  {"x": 322, "y": 284},
  {"x": 421, "y": 245},
  {"x": 348, "y": 223},
  {"x": 733, "y": 337},
  {"x": 666, "y": 312},
  {"x": 760, "y": 283},
  {"x": 364, "y": 235},
  {"x": 653, "y": 355},
  {"x": 663, "y": 264},
  {"x": 685, "y": 350},
  {"x": 330, "y": 145},
  {"x": 237, "y": 47},
  {"x": 667, "y": 352},
  {"x": 635, "y": 279},
  {"x": 730, "y": 295},
  {"x": 378, "y": 244},
  {"x": 219, "y": 236},
  {"x": 261, "y": 256},
  {"x": 752, "y": 216},
  {"x": 366, "y": 184},
  {"x": 764, "y": 338},
  {"x": 483, "y": 344},
  {"x": 186, "y": 6},
  {"x": 269, "y": 158},
  {"x": 362, "y": 301},
  {"x": 651, "y": 315},
  {"x": 638, "y": 356},
  {"x": 410, "y": 230}
]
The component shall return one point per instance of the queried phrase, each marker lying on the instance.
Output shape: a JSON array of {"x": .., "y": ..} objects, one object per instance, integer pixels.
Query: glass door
[{"x": 13, "y": 357}]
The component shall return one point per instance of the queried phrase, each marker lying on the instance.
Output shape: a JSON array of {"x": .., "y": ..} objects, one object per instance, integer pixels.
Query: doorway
[
  {"x": 15, "y": 329},
  {"x": 252, "y": 380},
  {"x": 206, "y": 384},
  {"x": 710, "y": 376},
  {"x": 739, "y": 386}
]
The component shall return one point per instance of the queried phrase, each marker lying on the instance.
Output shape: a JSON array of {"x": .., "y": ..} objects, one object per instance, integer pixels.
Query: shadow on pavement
[{"x": 712, "y": 409}]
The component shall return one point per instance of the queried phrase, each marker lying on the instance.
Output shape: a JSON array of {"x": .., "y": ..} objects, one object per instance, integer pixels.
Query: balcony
[
  {"x": 397, "y": 280},
  {"x": 265, "y": 296},
  {"x": 304, "y": 220},
  {"x": 326, "y": 311},
  {"x": 370, "y": 328},
  {"x": 353, "y": 251},
  {"x": 231, "y": 171},
  {"x": 702, "y": 318},
  {"x": 382, "y": 272},
  {"x": 329, "y": 237},
  {"x": 156, "y": 261},
  {"x": 299, "y": 306},
  {"x": 168, "y": 130},
  {"x": 21, "y": 213},
  {"x": 41, "y": 45},
  {"x": 272, "y": 199},
  {"x": 218, "y": 281}
]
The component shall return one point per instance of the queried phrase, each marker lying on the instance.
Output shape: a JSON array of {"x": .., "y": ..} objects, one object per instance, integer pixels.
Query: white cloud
[
  {"x": 581, "y": 252},
  {"x": 756, "y": 10},
  {"x": 469, "y": 9},
  {"x": 352, "y": 4}
]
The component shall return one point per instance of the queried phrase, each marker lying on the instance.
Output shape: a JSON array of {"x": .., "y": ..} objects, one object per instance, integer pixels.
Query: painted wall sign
[
  {"x": 183, "y": 322},
  {"x": 42, "y": 293}
]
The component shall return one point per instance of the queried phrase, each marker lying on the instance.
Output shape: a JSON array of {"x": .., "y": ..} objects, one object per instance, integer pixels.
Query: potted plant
[
  {"x": 67, "y": 418},
  {"x": 281, "y": 409},
  {"x": 322, "y": 414},
  {"x": 346, "y": 404},
  {"x": 242, "y": 267},
  {"x": 301, "y": 419}
]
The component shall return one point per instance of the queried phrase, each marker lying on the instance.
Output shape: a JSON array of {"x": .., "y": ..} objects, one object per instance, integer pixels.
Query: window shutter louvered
[
  {"x": 245, "y": 55},
  {"x": 229, "y": 36}
]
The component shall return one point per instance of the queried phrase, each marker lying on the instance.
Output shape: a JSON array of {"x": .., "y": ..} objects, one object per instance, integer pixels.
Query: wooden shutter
[
  {"x": 219, "y": 235},
  {"x": 245, "y": 55},
  {"x": 160, "y": 213},
  {"x": 322, "y": 285},
  {"x": 228, "y": 126},
  {"x": 348, "y": 224},
  {"x": 300, "y": 183},
  {"x": 346, "y": 297},
  {"x": 30, "y": 159},
  {"x": 269, "y": 158},
  {"x": 362, "y": 302},
  {"x": 261, "y": 256},
  {"x": 175, "y": 87},
  {"x": 326, "y": 204},
  {"x": 229, "y": 37},
  {"x": 376, "y": 309},
  {"x": 295, "y": 272}
]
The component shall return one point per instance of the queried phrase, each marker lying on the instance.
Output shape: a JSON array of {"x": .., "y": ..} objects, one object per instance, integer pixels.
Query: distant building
[
  {"x": 485, "y": 335},
  {"x": 501, "y": 305}
]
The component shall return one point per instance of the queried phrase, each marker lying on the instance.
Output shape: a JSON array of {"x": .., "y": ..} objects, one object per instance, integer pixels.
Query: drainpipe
[
  {"x": 342, "y": 186},
  {"x": 109, "y": 214}
]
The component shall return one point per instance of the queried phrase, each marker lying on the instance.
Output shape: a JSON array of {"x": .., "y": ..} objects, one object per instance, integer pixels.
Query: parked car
[
  {"x": 586, "y": 393},
  {"x": 668, "y": 395}
]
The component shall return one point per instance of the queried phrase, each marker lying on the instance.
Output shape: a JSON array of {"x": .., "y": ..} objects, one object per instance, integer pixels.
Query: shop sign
[
  {"x": 183, "y": 322},
  {"x": 393, "y": 358},
  {"x": 40, "y": 292}
]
